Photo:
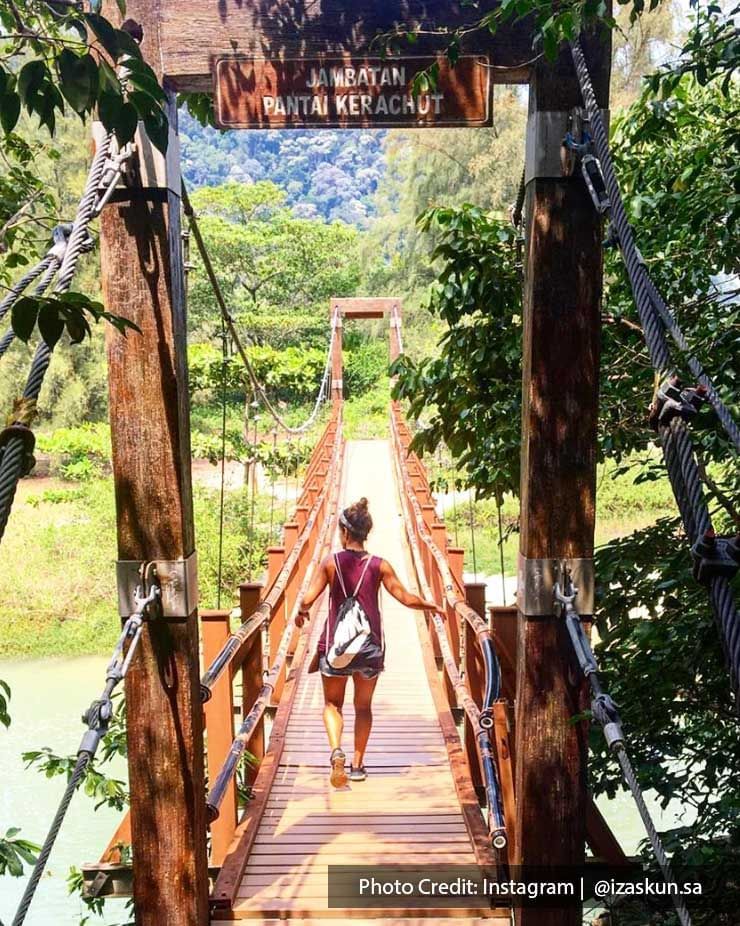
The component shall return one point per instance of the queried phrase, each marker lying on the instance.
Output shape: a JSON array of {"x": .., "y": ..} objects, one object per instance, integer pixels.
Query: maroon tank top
[{"x": 352, "y": 563}]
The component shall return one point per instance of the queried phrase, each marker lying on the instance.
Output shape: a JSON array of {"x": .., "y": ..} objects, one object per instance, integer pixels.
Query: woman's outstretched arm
[
  {"x": 320, "y": 581},
  {"x": 394, "y": 586}
]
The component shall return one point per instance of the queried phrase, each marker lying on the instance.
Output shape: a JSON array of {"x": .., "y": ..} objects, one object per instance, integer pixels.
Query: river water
[{"x": 48, "y": 698}]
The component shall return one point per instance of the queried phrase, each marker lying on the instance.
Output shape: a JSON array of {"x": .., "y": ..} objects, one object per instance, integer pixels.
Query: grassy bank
[{"x": 57, "y": 582}]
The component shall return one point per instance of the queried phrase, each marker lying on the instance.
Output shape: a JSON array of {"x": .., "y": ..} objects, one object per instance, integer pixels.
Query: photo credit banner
[{"x": 348, "y": 93}]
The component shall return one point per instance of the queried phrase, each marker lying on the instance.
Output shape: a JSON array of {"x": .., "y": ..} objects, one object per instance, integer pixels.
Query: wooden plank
[
  {"x": 401, "y": 915},
  {"x": 196, "y": 34},
  {"x": 142, "y": 277},
  {"x": 290, "y": 909},
  {"x": 562, "y": 293},
  {"x": 407, "y": 810}
]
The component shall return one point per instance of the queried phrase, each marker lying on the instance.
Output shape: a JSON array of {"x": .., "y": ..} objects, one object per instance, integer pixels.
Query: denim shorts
[{"x": 365, "y": 670}]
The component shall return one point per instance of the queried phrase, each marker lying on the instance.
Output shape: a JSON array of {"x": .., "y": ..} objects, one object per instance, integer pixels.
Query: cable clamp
[
  {"x": 715, "y": 557},
  {"x": 177, "y": 581},
  {"x": 672, "y": 401},
  {"x": 537, "y": 578},
  {"x": 606, "y": 713}
]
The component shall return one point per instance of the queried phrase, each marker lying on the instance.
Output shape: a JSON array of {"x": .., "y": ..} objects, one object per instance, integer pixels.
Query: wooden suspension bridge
[
  {"x": 426, "y": 780},
  {"x": 475, "y": 757},
  {"x": 425, "y": 799}
]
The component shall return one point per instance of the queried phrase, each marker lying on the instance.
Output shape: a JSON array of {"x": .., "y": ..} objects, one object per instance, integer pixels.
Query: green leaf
[
  {"x": 157, "y": 128},
  {"x": 79, "y": 80},
  {"x": 32, "y": 76},
  {"x": 51, "y": 326},
  {"x": 23, "y": 317},
  {"x": 110, "y": 105},
  {"x": 10, "y": 110},
  {"x": 126, "y": 123}
]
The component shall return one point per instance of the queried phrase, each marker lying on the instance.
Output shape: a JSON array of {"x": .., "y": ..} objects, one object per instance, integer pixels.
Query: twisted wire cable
[
  {"x": 97, "y": 718},
  {"x": 686, "y": 484},
  {"x": 606, "y": 714},
  {"x": 17, "y": 288},
  {"x": 83, "y": 760},
  {"x": 16, "y": 449},
  {"x": 655, "y": 316},
  {"x": 52, "y": 261},
  {"x": 227, "y": 317},
  {"x": 653, "y": 835}
]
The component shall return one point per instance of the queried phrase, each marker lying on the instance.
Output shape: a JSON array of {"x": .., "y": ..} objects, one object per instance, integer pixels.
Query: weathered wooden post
[
  {"x": 337, "y": 387},
  {"x": 142, "y": 280},
  {"x": 562, "y": 294},
  {"x": 395, "y": 337}
]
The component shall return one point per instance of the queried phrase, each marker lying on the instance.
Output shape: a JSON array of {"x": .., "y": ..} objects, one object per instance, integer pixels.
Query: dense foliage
[{"x": 328, "y": 175}]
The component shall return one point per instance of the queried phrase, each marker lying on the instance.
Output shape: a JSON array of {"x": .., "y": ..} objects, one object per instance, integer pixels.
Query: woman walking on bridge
[{"x": 352, "y": 642}]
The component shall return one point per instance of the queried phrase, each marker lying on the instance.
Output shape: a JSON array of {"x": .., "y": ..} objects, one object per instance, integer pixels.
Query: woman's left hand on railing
[{"x": 302, "y": 617}]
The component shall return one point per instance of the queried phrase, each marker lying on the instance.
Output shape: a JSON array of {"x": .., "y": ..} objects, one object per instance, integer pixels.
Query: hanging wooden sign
[{"x": 346, "y": 92}]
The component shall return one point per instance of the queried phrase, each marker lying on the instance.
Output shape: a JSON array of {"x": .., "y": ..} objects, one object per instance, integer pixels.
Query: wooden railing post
[
  {"x": 253, "y": 666},
  {"x": 219, "y": 713},
  {"x": 503, "y": 623}
]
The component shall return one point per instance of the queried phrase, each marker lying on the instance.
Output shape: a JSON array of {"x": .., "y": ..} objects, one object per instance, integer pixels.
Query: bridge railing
[
  {"x": 259, "y": 650},
  {"x": 246, "y": 668},
  {"x": 463, "y": 643}
]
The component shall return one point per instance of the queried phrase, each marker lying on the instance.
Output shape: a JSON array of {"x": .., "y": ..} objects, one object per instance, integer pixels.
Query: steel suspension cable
[
  {"x": 97, "y": 718},
  {"x": 655, "y": 315},
  {"x": 678, "y": 451},
  {"x": 52, "y": 265},
  {"x": 226, "y": 314},
  {"x": 19, "y": 444},
  {"x": 605, "y": 712}
]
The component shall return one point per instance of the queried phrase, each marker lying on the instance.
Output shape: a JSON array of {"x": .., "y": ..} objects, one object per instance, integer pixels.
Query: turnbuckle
[
  {"x": 715, "y": 557},
  {"x": 672, "y": 400},
  {"x": 590, "y": 170}
]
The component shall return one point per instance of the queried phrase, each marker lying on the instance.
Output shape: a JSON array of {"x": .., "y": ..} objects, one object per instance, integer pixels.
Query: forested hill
[{"x": 327, "y": 174}]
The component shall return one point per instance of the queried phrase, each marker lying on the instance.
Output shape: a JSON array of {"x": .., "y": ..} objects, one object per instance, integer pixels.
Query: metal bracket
[
  {"x": 545, "y": 156},
  {"x": 536, "y": 580},
  {"x": 178, "y": 580}
]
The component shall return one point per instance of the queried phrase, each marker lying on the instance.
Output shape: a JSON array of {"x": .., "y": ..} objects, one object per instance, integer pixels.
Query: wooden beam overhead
[
  {"x": 364, "y": 307},
  {"x": 195, "y": 34}
]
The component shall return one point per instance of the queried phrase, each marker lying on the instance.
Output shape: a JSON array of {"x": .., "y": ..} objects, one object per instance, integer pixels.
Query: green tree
[{"x": 270, "y": 264}]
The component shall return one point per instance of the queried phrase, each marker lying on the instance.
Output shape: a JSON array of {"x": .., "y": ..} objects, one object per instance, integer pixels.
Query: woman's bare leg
[
  {"x": 364, "y": 690},
  {"x": 334, "y": 688}
]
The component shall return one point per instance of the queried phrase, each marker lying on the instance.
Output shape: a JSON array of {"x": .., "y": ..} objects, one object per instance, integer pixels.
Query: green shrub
[
  {"x": 364, "y": 367},
  {"x": 78, "y": 453}
]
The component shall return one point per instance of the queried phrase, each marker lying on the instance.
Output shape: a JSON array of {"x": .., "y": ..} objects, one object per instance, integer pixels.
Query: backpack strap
[
  {"x": 362, "y": 576},
  {"x": 338, "y": 569}
]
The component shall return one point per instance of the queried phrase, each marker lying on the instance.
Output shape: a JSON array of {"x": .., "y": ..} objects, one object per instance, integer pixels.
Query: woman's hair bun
[{"x": 359, "y": 519}]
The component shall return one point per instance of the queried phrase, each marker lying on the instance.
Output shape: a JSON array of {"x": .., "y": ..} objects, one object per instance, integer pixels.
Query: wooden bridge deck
[{"x": 417, "y": 805}]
